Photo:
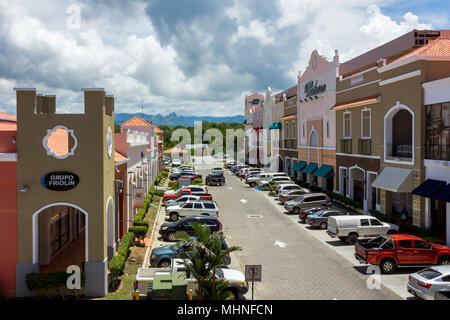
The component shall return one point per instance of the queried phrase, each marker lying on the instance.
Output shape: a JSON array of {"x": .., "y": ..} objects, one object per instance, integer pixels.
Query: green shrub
[
  {"x": 116, "y": 265},
  {"x": 157, "y": 181},
  {"x": 174, "y": 185},
  {"x": 50, "y": 280},
  {"x": 266, "y": 189},
  {"x": 159, "y": 193},
  {"x": 343, "y": 199},
  {"x": 272, "y": 193},
  {"x": 152, "y": 190},
  {"x": 381, "y": 216},
  {"x": 198, "y": 181},
  {"x": 143, "y": 223},
  {"x": 139, "y": 231},
  {"x": 140, "y": 215},
  {"x": 125, "y": 244},
  {"x": 271, "y": 182},
  {"x": 414, "y": 230}
]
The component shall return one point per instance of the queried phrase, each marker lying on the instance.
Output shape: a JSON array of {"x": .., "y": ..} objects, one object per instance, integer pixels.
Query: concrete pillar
[
  {"x": 96, "y": 278},
  {"x": 22, "y": 269}
]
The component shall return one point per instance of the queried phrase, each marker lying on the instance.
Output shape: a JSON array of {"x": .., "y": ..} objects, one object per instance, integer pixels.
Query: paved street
[{"x": 299, "y": 266}]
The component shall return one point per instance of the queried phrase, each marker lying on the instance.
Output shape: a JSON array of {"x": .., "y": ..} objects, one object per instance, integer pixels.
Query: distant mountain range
[{"x": 173, "y": 119}]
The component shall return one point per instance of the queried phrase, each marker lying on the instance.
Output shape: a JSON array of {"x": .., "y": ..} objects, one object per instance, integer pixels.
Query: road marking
[
  {"x": 230, "y": 188},
  {"x": 244, "y": 201},
  {"x": 254, "y": 216},
  {"x": 280, "y": 244}
]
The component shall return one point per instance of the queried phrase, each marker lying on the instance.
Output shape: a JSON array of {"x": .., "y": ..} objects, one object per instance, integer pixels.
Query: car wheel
[
  {"x": 164, "y": 264},
  {"x": 174, "y": 216},
  {"x": 233, "y": 294},
  {"x": 296, "y": 210},
  {"x": 387, "y": 266},
  {"x": 323, "y": 225},
  {"x": 253, "y": 184},
  {"x": 352, "y": 238},
  {"x": 444, "y": 261},
  {"x": 171, "y": 236}
]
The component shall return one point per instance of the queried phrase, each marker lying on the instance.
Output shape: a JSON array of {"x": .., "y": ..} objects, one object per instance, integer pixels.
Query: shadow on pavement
[{"x": 337, "y": 243}]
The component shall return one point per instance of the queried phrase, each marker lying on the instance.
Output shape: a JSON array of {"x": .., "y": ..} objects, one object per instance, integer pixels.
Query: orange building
[{"x": 8, "y": 204}]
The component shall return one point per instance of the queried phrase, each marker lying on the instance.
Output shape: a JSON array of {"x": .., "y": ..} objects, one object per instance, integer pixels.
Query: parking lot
[{"x": 296, "y": 264}]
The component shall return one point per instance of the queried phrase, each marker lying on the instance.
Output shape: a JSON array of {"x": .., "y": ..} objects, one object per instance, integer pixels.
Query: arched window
[
  {"x": 399, "y": 132},
  {"x": 313, "y": 139}
]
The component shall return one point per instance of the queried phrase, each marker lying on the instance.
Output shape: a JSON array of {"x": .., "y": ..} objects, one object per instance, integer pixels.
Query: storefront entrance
[{"x": 439, "y": 219}]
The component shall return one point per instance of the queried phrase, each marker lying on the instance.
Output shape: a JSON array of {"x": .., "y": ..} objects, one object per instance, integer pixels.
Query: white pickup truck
[
  {"x": 145, "y": 276},
  {"x": 191, "y": 208}
]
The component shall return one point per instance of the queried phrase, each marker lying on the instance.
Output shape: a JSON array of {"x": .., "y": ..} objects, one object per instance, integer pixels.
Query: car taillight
[
  {"x": 228, "y": 255},
  {"x": 135, "y": 284},
  {"x": 423, "y": 284},
  {"x": 304, "y": 214}
]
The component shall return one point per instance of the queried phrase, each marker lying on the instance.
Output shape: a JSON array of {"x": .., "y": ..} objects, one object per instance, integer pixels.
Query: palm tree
[
  {"x": 216, "y": 289},
  {"x": 207, "y": 253}
]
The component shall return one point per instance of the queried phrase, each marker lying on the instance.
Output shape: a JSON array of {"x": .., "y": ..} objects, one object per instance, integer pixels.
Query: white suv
[{"x": 190, "y": 208}]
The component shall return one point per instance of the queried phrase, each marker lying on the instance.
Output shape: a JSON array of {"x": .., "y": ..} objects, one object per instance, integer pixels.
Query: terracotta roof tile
[
  {"x": 136, "y": 121},
  {"x": 8, "y": 116},
  {"x": 438, "y": 47},
  {"x": 119, "y": 157},
  {"x": 157, "y": 130}
]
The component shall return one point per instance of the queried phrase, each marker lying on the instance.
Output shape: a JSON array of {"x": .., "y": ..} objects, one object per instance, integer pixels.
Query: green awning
[
  {"x": 310, "y": 168},
  {"x": 271, "y": 126},
  {"x": 277, "y": 125},
  {"x": 299, "y": 166},
  {"x": 324, "y": 171}
]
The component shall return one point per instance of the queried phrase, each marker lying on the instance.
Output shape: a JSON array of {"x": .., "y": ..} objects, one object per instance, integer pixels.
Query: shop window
[
  {"x": 437, "y": 144},
  {"x": 60, "y": 142},
  {"x": 60, "y": 234}
]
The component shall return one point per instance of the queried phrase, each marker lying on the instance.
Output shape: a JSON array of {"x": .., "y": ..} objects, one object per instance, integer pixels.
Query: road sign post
[{"x": 253, "y": 274}]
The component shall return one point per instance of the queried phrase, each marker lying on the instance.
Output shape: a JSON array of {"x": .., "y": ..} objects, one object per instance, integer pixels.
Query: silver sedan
[{"x": 425, "y": 283}]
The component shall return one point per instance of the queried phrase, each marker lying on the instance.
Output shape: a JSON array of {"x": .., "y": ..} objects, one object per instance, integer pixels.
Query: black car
[
  {"x": 176, "y": 176},
  {"x": 304, "y": 214},
  {"x": 168, "y": 230},
  {"x": 215, "y": 179}
]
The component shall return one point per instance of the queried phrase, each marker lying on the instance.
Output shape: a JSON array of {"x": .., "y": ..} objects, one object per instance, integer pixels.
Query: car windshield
[
  {"x": 219, "y": 273},
  {"x": 320, "y": 212},
  {"x": 177, "y": 246},
  {"x": 429, "y": 273},
  {"x": 298, "y": 199}
]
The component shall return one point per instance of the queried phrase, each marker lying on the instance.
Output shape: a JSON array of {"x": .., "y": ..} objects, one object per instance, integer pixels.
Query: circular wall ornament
[
  {"x": 109, "y": 142},
  {"x": 57, "y": 142}
]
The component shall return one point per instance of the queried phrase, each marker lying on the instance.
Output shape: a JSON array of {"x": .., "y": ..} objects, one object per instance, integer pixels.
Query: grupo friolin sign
[{"x": 60, "y": 180}]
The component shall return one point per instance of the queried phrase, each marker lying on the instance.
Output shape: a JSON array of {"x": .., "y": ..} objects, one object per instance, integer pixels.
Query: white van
[
  {"x": 263, "y": 176},
  {"x": 350, "y": 228}
]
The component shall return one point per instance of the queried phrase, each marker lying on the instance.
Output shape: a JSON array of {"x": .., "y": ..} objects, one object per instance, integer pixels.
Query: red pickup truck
[
  {"x": 204, "y": 195},
  {"x": 394, "y": 250}
]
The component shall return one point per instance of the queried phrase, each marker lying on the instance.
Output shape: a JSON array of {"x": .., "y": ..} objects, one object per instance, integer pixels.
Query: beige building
[{"x": 65, "y": 181}]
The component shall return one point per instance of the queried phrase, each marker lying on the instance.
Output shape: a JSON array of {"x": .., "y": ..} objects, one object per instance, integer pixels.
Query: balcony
[
  {"x": 346, "y": 145},
  {"x": 437, "y": 151},
  {"x": 399, "y": 150},
  {"x": 365, "y": 146}
]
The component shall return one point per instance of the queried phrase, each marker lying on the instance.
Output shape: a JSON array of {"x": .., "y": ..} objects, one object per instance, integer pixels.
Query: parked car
[
  {"x": 391, "y": 251},
  {"x": 252, "y": 171},
  {"x": 230, "y": 163},
  {"x": 266, "y": 176},
  {"x": 427, "y": 282},
  {"x": 217, "y": 171},
  {"x": 215, "y": 179},
  {"x": 277, "y": 180},
  {"x": 284, "y": 188},
  {"x": 182, "y": 199},
  {"x": 306, "y": 201},
  {"x": 319, "y": 219},
  {"x": 189, "y": 208},
  {"x": 305, "y": 213},
  {"x": 350, "y": 228},
  {"x": 145, "y": 278},
  {"x": 176, "y": 162},
  {"x": 161, "y": 256},
  {"x": 236, "y": 168},
  {"x": 291, "y": 195},
  {"x": 188, "y": 190},
  {"x": 167, "y": 230}
]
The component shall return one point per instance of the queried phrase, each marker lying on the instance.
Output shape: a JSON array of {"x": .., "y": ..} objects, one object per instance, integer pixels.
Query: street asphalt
[{"x": 295, "y": 265}]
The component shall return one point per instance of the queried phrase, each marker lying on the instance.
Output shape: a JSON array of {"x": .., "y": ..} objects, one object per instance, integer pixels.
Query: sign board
[
  {"x": 312, "y": 88},
  {"x": 60, "y": 181},
  {"x": 252, "y": 273}
]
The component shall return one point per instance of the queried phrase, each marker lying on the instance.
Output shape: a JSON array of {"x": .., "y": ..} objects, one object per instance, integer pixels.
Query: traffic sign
[{"x": 252, "y": 272}]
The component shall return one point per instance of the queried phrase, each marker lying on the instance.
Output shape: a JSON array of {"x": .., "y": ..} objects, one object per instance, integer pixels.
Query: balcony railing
[
  {"x": 399, "y": 150},
  {"x": 346, "y": 145},
  {"x": 365, "y": 146},
  {"x": 437, "y": 151}
]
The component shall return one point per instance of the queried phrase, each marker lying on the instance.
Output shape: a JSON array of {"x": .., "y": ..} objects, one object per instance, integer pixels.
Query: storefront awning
[
  {"x": 310, "y": 168},
  {"x": 275, "y": 126},
  {"x": 429, "y": 187},
  {"x": 394, "y": 179},
  {"x": 299, "y": 165},
  {"x": 324, "y": 171},
  {"x": 443, "y": 194}
]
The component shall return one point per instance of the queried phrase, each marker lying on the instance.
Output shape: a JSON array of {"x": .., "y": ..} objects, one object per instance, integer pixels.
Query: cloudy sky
[{"x": 192, "y": 57}]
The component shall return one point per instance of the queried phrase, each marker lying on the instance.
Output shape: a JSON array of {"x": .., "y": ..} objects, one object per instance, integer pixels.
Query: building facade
[
  {"x": 317, "y": 122},
  {"x": 288, "y": 133},
  {"x": 254, "y": 112}
]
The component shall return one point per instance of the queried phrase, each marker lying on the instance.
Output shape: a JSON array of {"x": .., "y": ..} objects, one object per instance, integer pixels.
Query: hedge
[
  {"x": 198, "y": 182},
  {"x": 50, "y": 280},
  {"x": 152, "y": 190},
  {"x": 143, "y": 223},
  {"x": 139, "y": 216},
  {"x": 174, "y": 185},
  {"x": 125, "y": 244},
  {"x": 159, "y": 193},
  {"x": 116, "y": 265},
  {"x": 381, "y": 216},
  {"x": 343, "y": 199},
  {"x": 139, "y": 231}
]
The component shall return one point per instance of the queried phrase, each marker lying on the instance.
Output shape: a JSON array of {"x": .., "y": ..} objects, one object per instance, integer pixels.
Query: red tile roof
[
  {"x": 119, "y": 157},
  {"x": 136, "y": 121},
  {"x": 174, "y": 150},
  {"x": 157, "y": 130},
  {"x": 8, "y": 126},
  {"x": 8, "y": 116},
  {"x": 438, "y": 47}
]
